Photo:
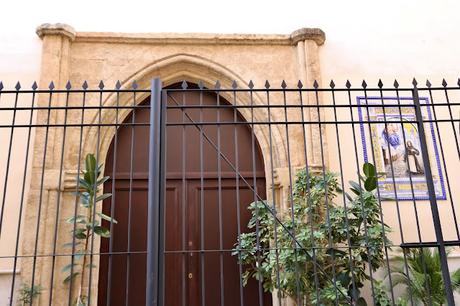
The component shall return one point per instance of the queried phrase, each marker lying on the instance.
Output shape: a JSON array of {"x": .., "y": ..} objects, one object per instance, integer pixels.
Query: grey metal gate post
[
  {"x": 432, "y": 195},
  {"x": 154, "y": 291}
]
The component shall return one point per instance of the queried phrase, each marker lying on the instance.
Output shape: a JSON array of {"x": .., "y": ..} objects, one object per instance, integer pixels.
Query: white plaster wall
[{"x": 365, "y": 39}]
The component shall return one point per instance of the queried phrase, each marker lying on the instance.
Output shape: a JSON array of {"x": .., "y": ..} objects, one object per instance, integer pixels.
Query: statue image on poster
[{"x": 392, "y": 135}]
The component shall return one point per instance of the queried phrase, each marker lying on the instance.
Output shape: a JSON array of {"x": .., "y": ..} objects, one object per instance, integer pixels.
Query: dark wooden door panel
[
  {"x": 224, "y": 209},
  {"x": 202, "y": 221}
]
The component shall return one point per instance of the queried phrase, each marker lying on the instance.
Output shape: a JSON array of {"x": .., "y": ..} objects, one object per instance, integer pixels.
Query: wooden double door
[{"x": 205, "y": 207}]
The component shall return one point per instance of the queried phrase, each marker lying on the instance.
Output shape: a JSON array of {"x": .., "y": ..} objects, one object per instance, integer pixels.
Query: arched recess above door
[{"x": 191, "y": 68}]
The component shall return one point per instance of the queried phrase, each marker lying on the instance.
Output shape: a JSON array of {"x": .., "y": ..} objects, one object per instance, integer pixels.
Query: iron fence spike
[
  {"x": 1, "y": 85},
  {"x": 85, "y": 85},
  {"x": 101, "y": 85},
  {"x": 267, "y": 84},
  {"x": 18, "y": 86},
  {"x": 200, "y": 84},
  {"x": 251, "y": 84},
  {"x": 364, "y": 84},
  {"x": 414, "y": 82},
  {"x": 315, "y": 84},
  {"x": 135, "y": 85},
  {"x": 444, "y": 83},
  {"x": 283, "y": 84},
  {"x": 299, "y": 84},
  {"x": 332, "y": 84},
  {"x": 184, "y": 85},
  {"x": 458, "y": 82},
  {"x": 118, "y": 84},
  {"x": 396, "y": 84},
  {"x": 68, "y": 86},
  {"x": 234, "y": 84},
  {"x": 428, "y": 83},
  {"x": 348, "y": 84},
  {"x": 34, "y": 85},
  {"x": 380, "y": 83},
  {"x": 51, "y": 86},
  {"x": 217, "y": 86}
]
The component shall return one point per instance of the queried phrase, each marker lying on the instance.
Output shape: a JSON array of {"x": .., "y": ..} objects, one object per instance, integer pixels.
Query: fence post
[
  {"x": 155, "y": 198},
  {"x": 432, "y": 197}
]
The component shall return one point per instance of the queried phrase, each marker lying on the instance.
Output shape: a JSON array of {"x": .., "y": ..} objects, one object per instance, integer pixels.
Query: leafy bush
[{"x": 335, "y": 247}]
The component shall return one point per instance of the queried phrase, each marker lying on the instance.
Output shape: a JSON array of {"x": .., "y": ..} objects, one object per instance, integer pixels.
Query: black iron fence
[{"x": 229, "y": 194}]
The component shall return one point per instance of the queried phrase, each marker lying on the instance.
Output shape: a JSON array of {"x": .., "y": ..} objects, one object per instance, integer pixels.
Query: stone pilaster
[
  {"x": 45, "y": 193},
  {"x": 307, "y": 42}
]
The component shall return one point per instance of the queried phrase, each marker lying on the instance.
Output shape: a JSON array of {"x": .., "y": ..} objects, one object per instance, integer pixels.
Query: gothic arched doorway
[{"x": 206, "y": 206}]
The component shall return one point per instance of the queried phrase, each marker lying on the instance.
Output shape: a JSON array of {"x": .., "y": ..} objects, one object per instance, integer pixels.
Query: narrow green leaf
[
  {"x": 71, "y": 244},
  {"x": 103, "y": 180},
  {"x": 68, "y": 267},
  {"x": 90, "y": 162},
  {"x": 68, "y": 278},
  {"x": 107, "y": 218},
  {"x": 103, "y": 197}
]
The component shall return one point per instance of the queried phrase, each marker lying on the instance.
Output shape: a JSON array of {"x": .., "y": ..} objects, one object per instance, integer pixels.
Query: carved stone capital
[
  {"x": 308, "y": 34},
  {"x": 61, "y": 29}
]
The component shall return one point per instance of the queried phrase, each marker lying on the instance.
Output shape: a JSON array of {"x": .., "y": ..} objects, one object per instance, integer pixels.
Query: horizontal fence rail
[{"x": 228, "y": 194}]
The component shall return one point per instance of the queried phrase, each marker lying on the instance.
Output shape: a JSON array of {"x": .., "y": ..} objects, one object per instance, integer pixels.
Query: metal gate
[{"x": 230, "y": 194}]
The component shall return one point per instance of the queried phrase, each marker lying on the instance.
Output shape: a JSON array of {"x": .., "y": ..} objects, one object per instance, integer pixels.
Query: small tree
[
  {"x": 87, "y": 223},
  {"x": 335, "y": 245}
]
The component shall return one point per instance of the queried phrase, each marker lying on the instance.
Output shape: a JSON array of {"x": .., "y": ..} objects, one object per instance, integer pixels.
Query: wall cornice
[{"x": 314, "y": 34}]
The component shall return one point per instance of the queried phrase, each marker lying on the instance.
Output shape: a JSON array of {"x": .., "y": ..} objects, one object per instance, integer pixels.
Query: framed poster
[{"x": 395, "y": 147}]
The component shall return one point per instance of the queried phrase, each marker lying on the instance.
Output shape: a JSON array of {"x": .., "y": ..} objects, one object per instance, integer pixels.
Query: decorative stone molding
[
  {"x": 314, "y": 34},
  {"x": 302, "y": 34},
  {"x": 56, "y": 29}
]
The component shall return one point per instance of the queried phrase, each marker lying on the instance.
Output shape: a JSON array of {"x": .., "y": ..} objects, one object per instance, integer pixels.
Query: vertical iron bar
[
  {"x": 237, "y": 191},
  {"x": 453, "y": 126},
  {"x": 355, "y": 146},
  {"x": 8, "y": 159},
  {"x": 342, "y": 184},
  {"x": 162, "y": 183},
  {"x": 219, "y": 195},
  {"x": 23, "y": 189},
  {"x": 202, "y": 257},
  {"x": 42, "y": 180},
  {"x": 326, "y": 202},
  {"x": 130, "y": 197},
  {"x": 184, "y": 209},
  {"x": 77, "y": 188},
  {"x": 154, "y": 190},
  {"x": 256, "y": 196},
  {"x": 441, "y": 149},
  {"x": 95, "y": 189},
  {"x": 113, "y": 200},
  {"x": 433, "y": 202},
  {"x": 274, "y": 208},
  {"x": 417, "y": 221},
  {"x": 58, "y": 204}
]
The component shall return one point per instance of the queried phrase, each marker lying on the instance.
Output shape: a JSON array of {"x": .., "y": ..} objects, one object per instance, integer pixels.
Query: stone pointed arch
[{"x": 191, "y": 68}]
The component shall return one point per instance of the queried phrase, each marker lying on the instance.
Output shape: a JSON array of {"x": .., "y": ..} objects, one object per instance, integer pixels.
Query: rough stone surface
[{"x": 56, "y": 29}]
